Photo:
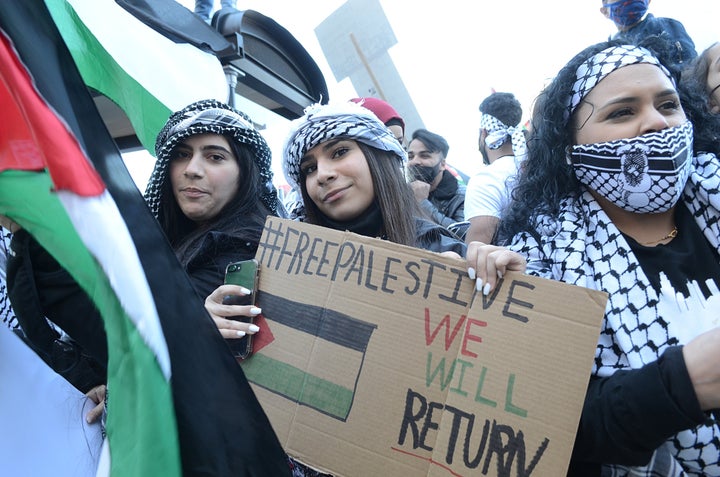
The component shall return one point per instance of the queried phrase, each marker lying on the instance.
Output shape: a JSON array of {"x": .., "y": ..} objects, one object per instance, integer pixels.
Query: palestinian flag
[
  {"x": 145, "y": 73},
  {"x": 179, "y": 403}
]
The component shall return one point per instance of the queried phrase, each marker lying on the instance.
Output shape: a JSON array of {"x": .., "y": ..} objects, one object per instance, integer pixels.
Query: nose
[
  {"x": 325, "y": 171},
  {"x": 654, "y": 121},
  {"x": 193, "y": 167}
]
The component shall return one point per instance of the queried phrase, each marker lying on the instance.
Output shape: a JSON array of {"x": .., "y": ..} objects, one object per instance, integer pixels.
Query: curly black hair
[{"x": 546, "y": 178}]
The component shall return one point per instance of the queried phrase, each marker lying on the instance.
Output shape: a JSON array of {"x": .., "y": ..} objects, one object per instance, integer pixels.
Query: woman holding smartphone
[{"x": 211, "y": 190}]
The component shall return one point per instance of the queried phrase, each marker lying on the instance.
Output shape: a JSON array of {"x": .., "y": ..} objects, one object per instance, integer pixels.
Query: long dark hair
[
  {"x": 546, "y": 178},
  {"x": 244, "y": 216},
  {"x": 696, "y": 102},
  {"x": 392, "y": 194}
]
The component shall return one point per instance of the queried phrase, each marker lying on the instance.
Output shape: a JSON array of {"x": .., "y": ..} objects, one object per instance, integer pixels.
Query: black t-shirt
[{"x": 687, "y": 259}]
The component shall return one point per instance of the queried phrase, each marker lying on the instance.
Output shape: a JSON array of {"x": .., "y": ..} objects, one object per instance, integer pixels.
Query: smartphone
[{"x": 245, "y": 274}]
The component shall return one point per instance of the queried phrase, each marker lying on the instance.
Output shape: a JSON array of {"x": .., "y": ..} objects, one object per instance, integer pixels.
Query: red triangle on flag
[{"x": 33, "y": 137}]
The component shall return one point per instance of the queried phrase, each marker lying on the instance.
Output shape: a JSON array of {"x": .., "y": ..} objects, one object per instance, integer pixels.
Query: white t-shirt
[{"x": 488, "y": 191}]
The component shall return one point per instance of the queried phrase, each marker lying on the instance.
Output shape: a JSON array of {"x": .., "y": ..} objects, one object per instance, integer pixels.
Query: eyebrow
[
  {"x": 630, "y": 99},
  {"x": 207, "y": 147},
  {"x": 328, "y": 145}
]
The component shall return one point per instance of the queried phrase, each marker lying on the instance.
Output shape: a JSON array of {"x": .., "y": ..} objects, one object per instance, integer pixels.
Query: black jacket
[
  {"x": 40, "y": 288},
  {"x": 681, "y": 44},
  {"x": 437, "y": 238},
  {"x": 446, "y": 204}
]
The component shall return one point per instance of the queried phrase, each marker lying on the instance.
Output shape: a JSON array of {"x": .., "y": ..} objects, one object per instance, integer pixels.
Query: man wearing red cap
[{"x": 386, "y": 114}]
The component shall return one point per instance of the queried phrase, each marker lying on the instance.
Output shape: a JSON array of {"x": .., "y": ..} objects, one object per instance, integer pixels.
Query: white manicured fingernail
[
  {"x": 255, "y": 310},
  {"x": 244, "y": 290},
  {"x": 499, "y": 273},
  {"x": 486, "y": 289},
  {"x": 254, "y": 328},
  {"x": 471, "y": 273},
  {"x": 241, "y": 333},
  {"x": 479, "y": 284}
]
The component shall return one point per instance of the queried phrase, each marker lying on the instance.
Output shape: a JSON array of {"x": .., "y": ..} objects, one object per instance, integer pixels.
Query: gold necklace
[{"x": 673, "y": 233}]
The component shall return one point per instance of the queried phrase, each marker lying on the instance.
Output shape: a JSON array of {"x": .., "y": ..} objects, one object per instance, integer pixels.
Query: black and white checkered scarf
[
  {"x": 324, "y": 122},
  {"x": 209, "y": 116},
  {"x": 597, "y": 67},
  {"x": 498, "y": 131},
  {"x": 7, "y": 316},
  {"x": 583, "y": 247}
]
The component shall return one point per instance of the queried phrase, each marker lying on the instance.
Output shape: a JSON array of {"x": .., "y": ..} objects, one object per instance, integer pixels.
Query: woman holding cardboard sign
[
  {"x": 614, "y": 197},
  {"x": 349, "y": 168}
]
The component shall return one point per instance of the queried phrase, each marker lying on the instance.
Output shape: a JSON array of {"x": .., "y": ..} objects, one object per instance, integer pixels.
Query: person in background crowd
[
  {"x": 634, "y": 23},
  {"x": 502, "y": 145},
  {"x": 203, "y": 8},
  {"x": 705, "y": 71},
  {"x": 385, "y": 113},
  {"x": 620, "y": 193},
  {"x": 436, "y": 190}
]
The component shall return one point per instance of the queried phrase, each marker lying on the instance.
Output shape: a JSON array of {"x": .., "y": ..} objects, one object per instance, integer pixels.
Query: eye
[
  {"x": 307, "y": 168},
  {"x": 180, "y": 154},
  {"x": 340, "y": 151},
  {"x": 216, "y": 157},
  {"x": 670, "y": 105},
  {"x": 620, "y": 113}
]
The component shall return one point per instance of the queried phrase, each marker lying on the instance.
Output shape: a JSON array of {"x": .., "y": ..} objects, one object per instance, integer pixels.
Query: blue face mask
[{"x": 626, "y": 13}]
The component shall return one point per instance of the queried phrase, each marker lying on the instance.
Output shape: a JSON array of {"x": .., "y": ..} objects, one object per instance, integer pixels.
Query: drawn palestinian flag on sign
[
  {"x": 180, "y": 405},
  {"x": 314, "y": 332},
  {"x": 326, "y": 333}
]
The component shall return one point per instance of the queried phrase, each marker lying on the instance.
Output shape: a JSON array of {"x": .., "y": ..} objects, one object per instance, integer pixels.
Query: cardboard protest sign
[{"x": 383, "y": 360}]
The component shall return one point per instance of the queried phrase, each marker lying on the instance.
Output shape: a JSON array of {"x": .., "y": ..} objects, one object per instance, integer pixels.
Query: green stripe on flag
[
  {"x": 101, "y": 72},
  {"x": 299, "y": 386},
  {"x": 141, "y": 427}
]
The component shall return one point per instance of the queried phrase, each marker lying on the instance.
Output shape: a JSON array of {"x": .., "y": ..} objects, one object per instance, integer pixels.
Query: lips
[
  {"x": 192, "y": 192},
  {"x": 334, "y": 194}
]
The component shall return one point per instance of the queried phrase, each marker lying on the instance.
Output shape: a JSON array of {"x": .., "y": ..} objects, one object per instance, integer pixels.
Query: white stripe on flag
[
  {"x": 177, "y": 74},
  {"x": 98, "y": 222}
]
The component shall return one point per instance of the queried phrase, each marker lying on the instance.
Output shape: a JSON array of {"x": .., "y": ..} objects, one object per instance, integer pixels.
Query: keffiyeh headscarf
[
  {"x": 324, "y": 122},
  {"x": 497, "y": 132},
  {"x": 597, "y": 67},
  {"x": 209, "y": 116}
]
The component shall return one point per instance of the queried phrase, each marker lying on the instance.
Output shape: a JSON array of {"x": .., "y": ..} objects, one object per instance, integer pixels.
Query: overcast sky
[{"x": 451, "y": 54}]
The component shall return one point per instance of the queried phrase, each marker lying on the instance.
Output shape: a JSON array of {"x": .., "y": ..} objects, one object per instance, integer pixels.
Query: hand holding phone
[{"x": 244, "y": 274}]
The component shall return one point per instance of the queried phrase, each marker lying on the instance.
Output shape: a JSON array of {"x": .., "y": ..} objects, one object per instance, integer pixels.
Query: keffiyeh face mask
[{"x": 644, "y": 174}]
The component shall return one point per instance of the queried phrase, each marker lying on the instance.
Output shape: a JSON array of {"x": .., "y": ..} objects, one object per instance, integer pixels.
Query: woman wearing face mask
[
  {"x": 614, "y": 197},
  {"x": 349, "y": 169}
]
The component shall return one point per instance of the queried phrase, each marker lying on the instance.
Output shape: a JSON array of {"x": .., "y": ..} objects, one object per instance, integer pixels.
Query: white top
[{"x": 488, "y": 191}]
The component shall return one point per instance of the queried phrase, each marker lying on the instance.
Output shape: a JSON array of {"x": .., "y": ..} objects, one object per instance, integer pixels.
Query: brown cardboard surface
[{"x": 385, "y": 361}]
